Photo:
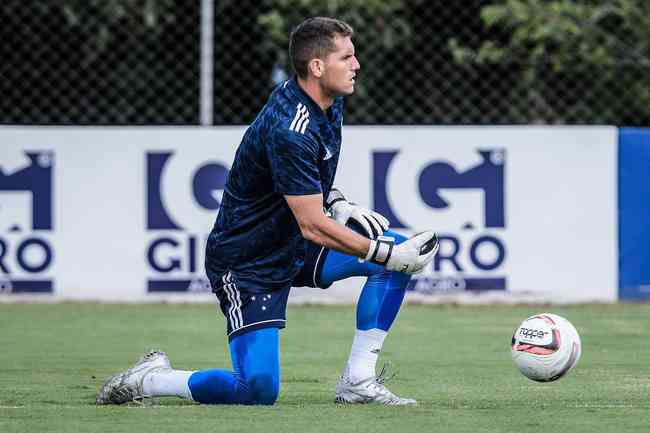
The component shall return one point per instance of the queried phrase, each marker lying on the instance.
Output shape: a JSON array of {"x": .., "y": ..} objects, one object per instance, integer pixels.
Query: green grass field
[{"x": 454, "y": 360}]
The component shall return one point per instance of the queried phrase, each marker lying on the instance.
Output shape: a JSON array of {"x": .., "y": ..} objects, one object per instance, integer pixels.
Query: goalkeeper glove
[
  {"x": 411, "y": 256},
  {"x": 342, "y": 211}
]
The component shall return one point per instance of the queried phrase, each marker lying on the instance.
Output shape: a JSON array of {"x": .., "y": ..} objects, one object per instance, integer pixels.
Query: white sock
[
  {"x": 364, "y": 353},
  {"x": 163, "y": 383}
]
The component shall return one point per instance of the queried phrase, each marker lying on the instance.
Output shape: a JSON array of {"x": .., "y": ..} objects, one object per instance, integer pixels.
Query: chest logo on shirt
[
  {"x": 328, "y": 154},
  {"x": 300, "y": 120}
]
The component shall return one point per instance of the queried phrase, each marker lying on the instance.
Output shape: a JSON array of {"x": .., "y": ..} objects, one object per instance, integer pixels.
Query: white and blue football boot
[
  {"x": 126, "y": 387},
  {"x": 370, "y": 390}
]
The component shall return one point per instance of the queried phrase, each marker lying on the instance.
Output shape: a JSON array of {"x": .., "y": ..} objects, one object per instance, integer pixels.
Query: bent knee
[{"x": 264, "y": 389}]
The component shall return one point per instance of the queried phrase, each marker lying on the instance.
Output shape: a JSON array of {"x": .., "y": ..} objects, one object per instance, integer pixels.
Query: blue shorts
[{"x": 246, "y": 311}]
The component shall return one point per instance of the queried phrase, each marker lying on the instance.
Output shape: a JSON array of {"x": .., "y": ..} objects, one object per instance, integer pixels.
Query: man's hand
[
  {"x": 374, "y": 224},
  {"x": 410, "y": 256}
]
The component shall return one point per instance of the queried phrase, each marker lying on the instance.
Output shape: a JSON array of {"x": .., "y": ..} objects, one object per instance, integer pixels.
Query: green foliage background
[
  {"x": 422, "y": 62},
  {"x": 600, "y": 45}
]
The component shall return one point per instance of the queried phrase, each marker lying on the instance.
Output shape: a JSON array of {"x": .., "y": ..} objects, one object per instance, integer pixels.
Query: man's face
[{"x": 341, "y": 67}]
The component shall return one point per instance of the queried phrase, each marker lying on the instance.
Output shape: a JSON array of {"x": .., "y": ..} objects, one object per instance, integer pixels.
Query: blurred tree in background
[
  {"x": 568, "y": 54},
  {"x": 422, "y": 61},
  {"x": 98, "y": 61}
]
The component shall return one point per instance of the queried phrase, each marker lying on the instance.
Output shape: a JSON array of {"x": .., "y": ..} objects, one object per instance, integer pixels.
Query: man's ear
[{"x": 316, "y": 67}]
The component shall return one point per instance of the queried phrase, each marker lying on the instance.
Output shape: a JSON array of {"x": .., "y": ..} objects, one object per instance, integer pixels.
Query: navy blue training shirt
[{"x": 292, "y": 148}]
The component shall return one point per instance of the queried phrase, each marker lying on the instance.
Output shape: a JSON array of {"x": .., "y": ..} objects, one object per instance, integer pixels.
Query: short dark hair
[{"x": 314, "y": 38}]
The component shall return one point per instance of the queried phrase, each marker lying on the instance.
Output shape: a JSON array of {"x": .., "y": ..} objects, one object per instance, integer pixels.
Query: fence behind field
[{"x": 135, "y": 62}]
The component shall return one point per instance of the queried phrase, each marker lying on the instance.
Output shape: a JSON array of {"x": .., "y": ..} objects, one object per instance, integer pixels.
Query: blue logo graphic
[
  {"x": 177, "y": 251},
  {"x": 207, "y": 180},
  {"x": 488, "y": 177},
  {"x": 36, "y": 178},
  {"x": 17, "y": 252}
]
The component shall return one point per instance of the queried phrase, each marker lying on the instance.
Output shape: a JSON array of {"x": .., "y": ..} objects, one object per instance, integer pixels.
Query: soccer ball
[{"x": 545, "y": 347}]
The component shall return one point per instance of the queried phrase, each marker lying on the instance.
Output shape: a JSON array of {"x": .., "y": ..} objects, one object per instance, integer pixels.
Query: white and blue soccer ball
[{"x": 545, "y": 347}]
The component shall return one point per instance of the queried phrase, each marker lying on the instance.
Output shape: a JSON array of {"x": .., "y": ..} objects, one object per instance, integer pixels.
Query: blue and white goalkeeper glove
[
  {"x": 342, "y": 211},
  {"x": 411, "y": 256}
]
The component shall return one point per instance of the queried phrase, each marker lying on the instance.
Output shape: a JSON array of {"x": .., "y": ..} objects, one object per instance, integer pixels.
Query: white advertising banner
[
  {"x": 129, "y": 209},
  {"x": 122, "y": 214},
  {"x": 523, "y": 213}
]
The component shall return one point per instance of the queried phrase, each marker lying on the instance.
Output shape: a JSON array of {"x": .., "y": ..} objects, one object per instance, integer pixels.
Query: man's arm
[
  {"x": 410, "y": 256},
  {"x": 318, "y": 228}
]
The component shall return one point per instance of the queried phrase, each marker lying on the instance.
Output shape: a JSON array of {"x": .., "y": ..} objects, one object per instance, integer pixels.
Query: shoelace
[
  {"x": 384, "y": 374},
  {"x": 150, "y": 354}
]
